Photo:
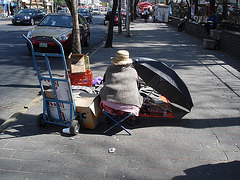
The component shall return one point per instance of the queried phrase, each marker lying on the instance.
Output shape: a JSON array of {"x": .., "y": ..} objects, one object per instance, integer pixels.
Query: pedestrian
[
  {"x": 120, "y": 93},
  {"x": 146, "y": 14},
  {"x": 211, "y": 22},
  {"x": 181, "y": 25}
]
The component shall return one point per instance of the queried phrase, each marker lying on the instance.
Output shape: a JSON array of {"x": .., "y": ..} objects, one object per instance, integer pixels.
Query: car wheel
[
  {"x": 87, "y": 42},
  {"x": 32, "y": 22}
]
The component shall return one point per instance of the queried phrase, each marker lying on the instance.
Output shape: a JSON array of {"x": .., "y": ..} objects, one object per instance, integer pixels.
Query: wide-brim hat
[{"x": 122, "y": 58}]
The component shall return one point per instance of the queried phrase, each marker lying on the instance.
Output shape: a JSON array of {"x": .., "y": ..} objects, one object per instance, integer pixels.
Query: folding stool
[{"x": 117, "y": 123}]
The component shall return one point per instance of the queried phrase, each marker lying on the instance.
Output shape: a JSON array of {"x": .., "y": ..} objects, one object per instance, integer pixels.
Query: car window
[
  {"x": 82, "y": 20},
  {"x": 57, "y": 21},
  {"x": 26, "y": 12},
  {"x": 83, "y": 11}
]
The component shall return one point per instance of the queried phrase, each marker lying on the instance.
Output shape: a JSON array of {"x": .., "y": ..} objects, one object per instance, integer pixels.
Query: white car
[{"x": 96, "y": 12}]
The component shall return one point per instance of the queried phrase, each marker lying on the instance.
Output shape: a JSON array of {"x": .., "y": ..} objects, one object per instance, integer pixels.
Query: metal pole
[{"x": 127, "y": 20}]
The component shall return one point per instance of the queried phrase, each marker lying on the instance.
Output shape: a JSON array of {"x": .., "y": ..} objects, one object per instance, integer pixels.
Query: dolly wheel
[
  {"x": 75, "y": 126},
  {"x": 40, "y": 121}
]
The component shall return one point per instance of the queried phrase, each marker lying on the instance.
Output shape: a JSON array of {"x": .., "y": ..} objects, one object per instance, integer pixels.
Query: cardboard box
[
  {"x": 76, "y": 63},
  {"x": 90, "y": 109},
  {"x": 64, "y": 111},
  {"x": 49, "y": 93},
  {"x": 62, "y": 90}
]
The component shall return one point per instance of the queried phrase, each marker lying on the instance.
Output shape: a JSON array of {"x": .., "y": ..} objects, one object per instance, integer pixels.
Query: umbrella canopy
[
  {"x": 144, "y": 4},
  {"x": 165, "y": 81}
]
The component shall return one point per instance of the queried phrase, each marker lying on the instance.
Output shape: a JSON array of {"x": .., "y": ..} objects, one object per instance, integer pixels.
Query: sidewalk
[
  {"x": 6, "y": 20},
  {"x": 205, "y": 144}
]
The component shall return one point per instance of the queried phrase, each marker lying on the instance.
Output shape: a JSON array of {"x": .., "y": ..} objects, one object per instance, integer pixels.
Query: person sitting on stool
[
  {"x": 120, "y": 93},
  {"x": 211, "y": 22}
]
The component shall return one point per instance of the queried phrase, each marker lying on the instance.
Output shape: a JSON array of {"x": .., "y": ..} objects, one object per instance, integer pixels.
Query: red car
[
  {"x": 107, "y": 17},
  {"x": 58, "y": 26}
]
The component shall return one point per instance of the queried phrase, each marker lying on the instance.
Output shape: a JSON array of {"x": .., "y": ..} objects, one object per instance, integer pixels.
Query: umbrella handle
[
  {"x": 148, "y": 96},
  {"x": 154, "y": 78}
]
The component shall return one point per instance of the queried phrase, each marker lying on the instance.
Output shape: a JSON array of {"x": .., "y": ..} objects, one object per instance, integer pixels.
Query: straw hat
[{"x": 122, "y": 58}]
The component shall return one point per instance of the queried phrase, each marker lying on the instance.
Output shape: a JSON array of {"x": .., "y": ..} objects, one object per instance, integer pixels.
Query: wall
[
  {"x": 229, "y": 40},
  {"x": 230, "y": 43}
]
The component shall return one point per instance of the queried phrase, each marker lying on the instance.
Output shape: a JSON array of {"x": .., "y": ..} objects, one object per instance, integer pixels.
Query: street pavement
[
  {"x": 6, "y": 20},
  {"x": 204, "y": 144}
]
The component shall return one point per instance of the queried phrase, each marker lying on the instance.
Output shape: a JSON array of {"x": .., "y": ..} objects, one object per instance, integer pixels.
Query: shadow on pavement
[
  {"x": 1, "y": 121},
  {"x": 26, "y": 126},
  {"x": 229, "y": 170},
  {"x": 167, "y": 122}
]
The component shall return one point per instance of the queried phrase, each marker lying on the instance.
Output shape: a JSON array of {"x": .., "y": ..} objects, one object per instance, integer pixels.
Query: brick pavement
[{"x": 205, "y": 144}]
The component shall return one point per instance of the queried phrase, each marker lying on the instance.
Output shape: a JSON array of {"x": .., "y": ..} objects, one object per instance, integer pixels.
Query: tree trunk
[
  {"x": 196, "y": 7},
  {"x": 18, "y": 5},
  {"x": 135, "y": 8},
  {"x": 111, "y": 24},
  {"x": 131, "y": 10},
  {"x": 212, "y": 6},
  {"x": 119, "y": 17},
  {"x": 224, "y": 4},
  {"x": 76, "y": 43},
  {"x": 188, "y": 9}
]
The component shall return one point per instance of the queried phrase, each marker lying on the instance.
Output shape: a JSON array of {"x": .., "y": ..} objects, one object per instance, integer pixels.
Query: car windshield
[
  {"x": 26, "y": 12},
  {"x": 57, "y": 21},
  {"x": 110, "y": 12},
  {"x": 82, "y": 11}
]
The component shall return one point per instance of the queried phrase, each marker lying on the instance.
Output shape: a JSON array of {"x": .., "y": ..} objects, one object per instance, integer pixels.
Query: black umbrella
[{"x": 165, "y": 81}]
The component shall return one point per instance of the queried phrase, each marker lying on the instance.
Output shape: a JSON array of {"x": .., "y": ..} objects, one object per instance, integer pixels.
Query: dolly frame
[{"x": 45, "y": 117}]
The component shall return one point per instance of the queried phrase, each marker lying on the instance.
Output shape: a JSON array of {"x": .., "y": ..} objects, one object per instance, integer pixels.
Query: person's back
[
  {"x": 120, "y": 85},
  {"x": 211, "y": 22},
  {"x": 215, "y": 19}
]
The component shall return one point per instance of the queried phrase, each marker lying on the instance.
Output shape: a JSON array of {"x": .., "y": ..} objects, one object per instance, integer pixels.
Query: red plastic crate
[{"x": 81, "y": 79}]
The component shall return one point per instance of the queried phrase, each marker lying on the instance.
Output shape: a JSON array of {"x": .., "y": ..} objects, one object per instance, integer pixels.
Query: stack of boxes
[{"x": 80, "y": 75}]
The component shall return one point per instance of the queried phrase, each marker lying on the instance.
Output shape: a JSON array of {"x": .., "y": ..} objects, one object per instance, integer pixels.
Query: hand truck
[{"x": 53, "y": 107}]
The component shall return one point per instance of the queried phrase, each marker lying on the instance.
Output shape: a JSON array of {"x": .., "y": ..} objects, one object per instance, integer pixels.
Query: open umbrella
[
  {"x": 165, "y": 81},
  {"x": 144, "y": 4}
]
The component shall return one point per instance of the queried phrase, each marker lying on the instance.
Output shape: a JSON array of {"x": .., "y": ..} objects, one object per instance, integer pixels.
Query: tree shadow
[
  {"x": 1, "y": 121},
  {"x": 220, "y": 171},
  {"x": 144, "y": 122},
  {"x": 26, "y": 125}
]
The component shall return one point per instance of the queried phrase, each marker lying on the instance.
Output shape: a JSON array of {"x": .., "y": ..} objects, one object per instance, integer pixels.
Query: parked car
[
  {"x": 96, "y": 12},
  {"x": 28, "y": 16},
  {"x": 86, "y": 13},
  {"x": 107, "y": 17},
  {"x": 58, "y": 26}
]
